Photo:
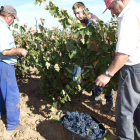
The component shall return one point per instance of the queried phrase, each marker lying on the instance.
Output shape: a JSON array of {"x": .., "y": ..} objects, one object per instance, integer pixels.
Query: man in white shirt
[
  {"x": 127, "y": 60},
  {"x": 9, "y": 92}
]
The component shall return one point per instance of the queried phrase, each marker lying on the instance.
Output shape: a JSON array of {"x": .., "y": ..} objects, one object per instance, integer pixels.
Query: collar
[
  {"x": 128, "y": 6},
  {"x": 1, "y": 20}
]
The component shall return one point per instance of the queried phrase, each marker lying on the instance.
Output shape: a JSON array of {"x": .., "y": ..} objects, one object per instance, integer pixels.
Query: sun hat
[
  {"x": 107, "y": 3},
  {"x": 10, "y": 10}
]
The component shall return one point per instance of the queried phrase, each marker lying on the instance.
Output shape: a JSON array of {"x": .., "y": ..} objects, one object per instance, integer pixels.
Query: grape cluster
[
  {"x": 97, "y": 91},
  {"x": 83, "y": 125}
]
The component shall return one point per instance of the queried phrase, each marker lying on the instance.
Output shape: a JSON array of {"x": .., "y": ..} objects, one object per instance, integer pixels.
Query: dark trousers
[
  {"x": 9, "y": 95},
  {"x": 128, "y": 103}
]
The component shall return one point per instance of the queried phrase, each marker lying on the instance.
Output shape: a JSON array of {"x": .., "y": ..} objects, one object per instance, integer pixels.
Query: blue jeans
[
  {"x": 109, "y": 98},
  {"x": 9, "y": 95},
  {"x": 127, "y": 108},
  {"x": 77, "y": 72}
]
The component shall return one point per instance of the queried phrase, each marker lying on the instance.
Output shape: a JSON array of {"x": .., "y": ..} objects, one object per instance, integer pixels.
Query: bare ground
[{"x": 33, "y": 114}]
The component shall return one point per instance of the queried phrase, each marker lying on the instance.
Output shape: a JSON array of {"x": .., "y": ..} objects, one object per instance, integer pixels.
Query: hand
[
  {"x": 23, "y": 52},
  {"x": 102, "y": 80}
]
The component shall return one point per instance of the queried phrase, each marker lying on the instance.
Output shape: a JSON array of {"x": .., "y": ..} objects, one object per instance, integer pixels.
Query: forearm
[
  {"x": 11, "y": 52},
  {"x": 117, "y": 64},
  {"x": 119, "y": 61}
]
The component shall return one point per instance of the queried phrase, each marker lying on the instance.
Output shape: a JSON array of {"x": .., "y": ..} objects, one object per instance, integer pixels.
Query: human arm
[
  {"x": 7, "y": 45},
  {"x": 119, "y": 61},
  {"x": 15, "y": 51},
  {"x": 128, "y": 36}
]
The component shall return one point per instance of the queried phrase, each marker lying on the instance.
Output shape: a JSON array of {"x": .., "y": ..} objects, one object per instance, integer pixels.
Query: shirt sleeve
[
  {"x": 128, "y": 35},
  {"x": 6, "y": 39},
  {"x": 94, "y": 16}
]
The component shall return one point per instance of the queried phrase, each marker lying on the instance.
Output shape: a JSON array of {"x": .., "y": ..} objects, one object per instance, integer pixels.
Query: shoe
[
  {"x": 107, "y": 107},
  {"x": 19, "y": 128},
  {"x": 109, "y": 98},
  {"x": 93, "y": 99},
  {"x": 97, "y": 99}
]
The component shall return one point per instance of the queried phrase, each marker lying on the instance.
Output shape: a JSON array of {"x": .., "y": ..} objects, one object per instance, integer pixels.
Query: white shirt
[
  {"x": 6, "y": 43},
  {"x": 129, "y": 33}
]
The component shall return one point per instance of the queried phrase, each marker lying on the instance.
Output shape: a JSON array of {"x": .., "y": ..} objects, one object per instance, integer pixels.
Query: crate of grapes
[{"x": 81, "y": 126}]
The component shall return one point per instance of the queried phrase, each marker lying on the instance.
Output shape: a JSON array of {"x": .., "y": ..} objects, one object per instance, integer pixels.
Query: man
[
  {"x": 9, "y": 92},
  {"x": 79, "y": 12},
  {"x": 127, "y": 60}
]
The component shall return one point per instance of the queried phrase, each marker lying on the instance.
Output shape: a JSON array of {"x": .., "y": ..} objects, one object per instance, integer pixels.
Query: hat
[
  {"x": 10, "y": 10},
  {"x": 107, "y": 3}
]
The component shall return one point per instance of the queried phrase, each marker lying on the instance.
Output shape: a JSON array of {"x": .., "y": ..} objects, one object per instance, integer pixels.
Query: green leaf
[
  {"x": 53, "y": 11},
  {"x": 78, "y": 78},
  {"x": 48, "y": 65},
  {"x": 36, "y": 2},
  {"x": 56, "y": 67},
  {"x": 22, "y": 29},
  {"x": 107, "y": 137},
  {"x": 63, "y": 92},
  {"x": 84, "y": 75},
  {"x": 88, "y": 32},
  {"x": 104, "y": 47},
  {"x": 82, "y": 33},
  {"x": 16, "y": 26},
  {"x": 54, "y": 104},
  {"x": 68, "y": 87},
  {"x": 90, "y": 45},
  {"x": 70, "y": 71},
  {"x": 72, "y": 54},
  {"x": 102, "y": 33},
  {"x": 66, "y": 99}
]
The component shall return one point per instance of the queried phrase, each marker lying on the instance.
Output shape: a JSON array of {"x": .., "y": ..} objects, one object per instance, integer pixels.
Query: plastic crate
[{"x": 69, "y": 135}]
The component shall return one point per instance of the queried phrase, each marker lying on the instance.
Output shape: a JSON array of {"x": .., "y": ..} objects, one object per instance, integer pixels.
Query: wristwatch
[{"x": 107, "y": 73}]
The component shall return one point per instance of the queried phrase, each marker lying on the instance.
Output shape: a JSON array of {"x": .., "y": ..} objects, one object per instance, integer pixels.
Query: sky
[{"x": 27, "y": 11}]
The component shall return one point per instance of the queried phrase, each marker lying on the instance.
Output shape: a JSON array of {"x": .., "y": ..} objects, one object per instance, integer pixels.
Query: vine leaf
[{"x": 56, "y": 67}]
